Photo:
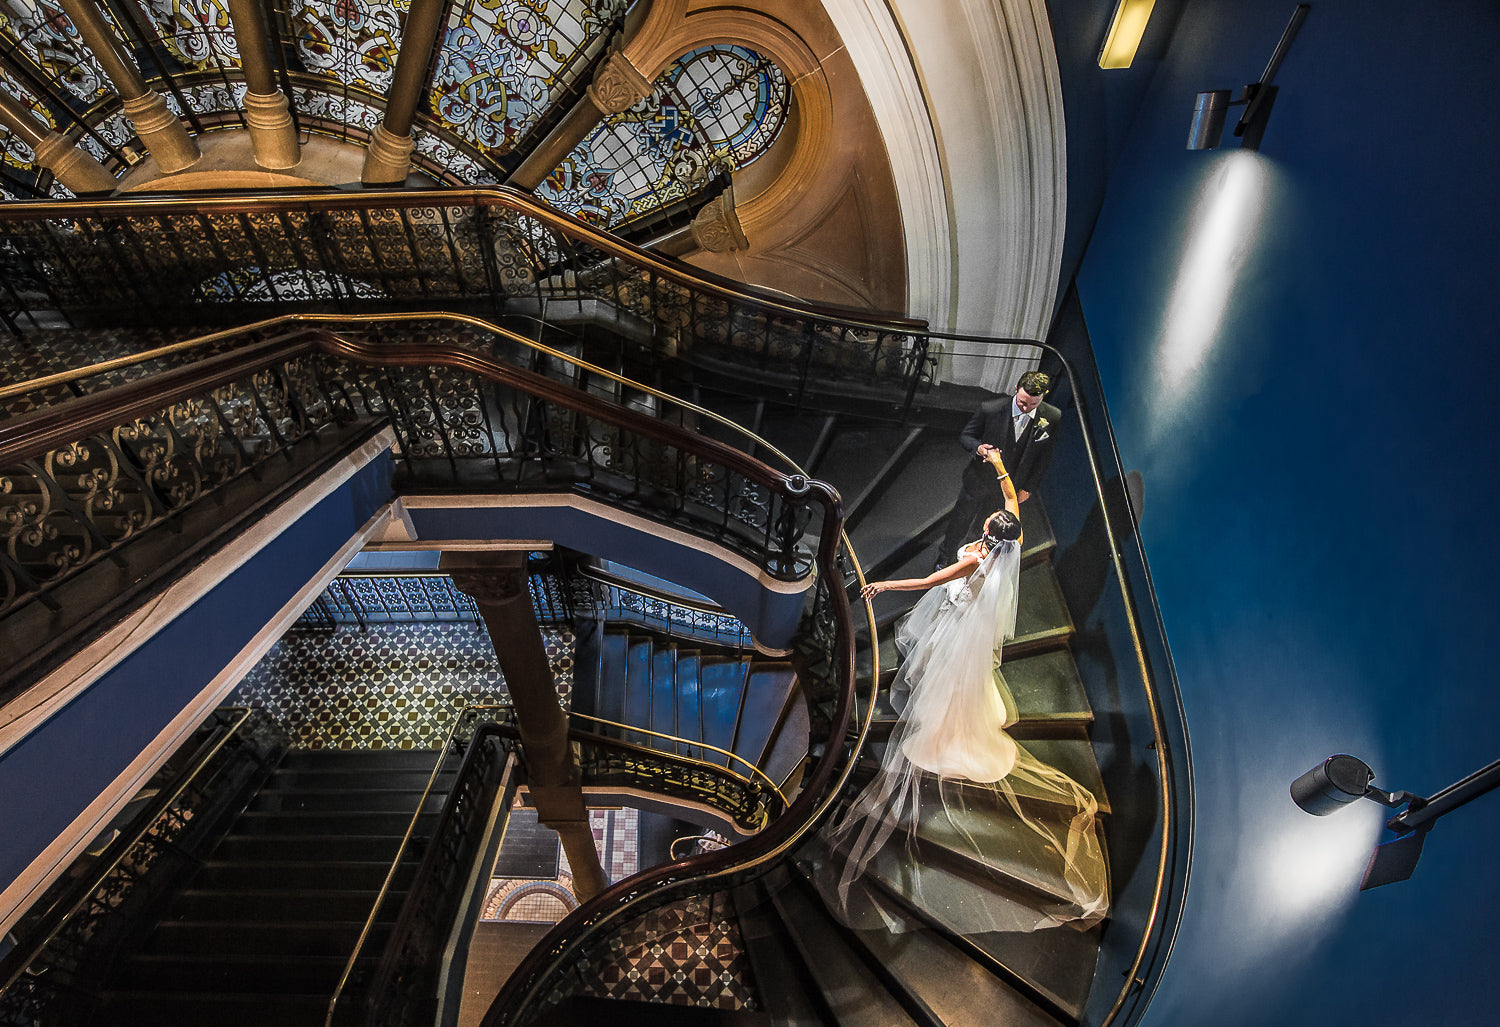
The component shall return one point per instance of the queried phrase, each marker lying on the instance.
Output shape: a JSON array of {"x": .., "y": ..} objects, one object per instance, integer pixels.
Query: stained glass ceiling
[
  {"x": 503, "y": 66},
  {"x": 715, "y": 110}
]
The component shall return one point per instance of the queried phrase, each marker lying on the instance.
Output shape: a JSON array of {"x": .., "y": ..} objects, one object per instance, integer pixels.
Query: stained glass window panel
[
  {"x": 715, "y": 110},
  {"x": 197, "y": 32},
  {"x": 355, "y": 41},
  {"x": 503, "y": 63}
]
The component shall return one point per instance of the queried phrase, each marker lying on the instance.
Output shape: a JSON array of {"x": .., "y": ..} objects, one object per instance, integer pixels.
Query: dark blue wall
[
  {"x": 1297, "y": 352},
  {"x": 61, "y": 767}
]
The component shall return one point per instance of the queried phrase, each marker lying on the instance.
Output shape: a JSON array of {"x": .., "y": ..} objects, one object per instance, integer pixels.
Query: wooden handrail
[{"x": 498, "y": 197}]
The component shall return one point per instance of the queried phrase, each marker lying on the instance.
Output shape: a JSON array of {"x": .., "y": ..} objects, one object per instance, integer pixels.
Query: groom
[{"x": 1022, "y": 427}]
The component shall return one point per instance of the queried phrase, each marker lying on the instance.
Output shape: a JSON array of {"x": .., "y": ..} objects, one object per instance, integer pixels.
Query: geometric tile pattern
[
  {"x": 686, "y": 954},
  {"x": 388, "y": 686}
]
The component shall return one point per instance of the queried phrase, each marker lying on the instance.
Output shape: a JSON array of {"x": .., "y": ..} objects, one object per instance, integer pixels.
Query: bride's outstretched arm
[{"x": 961, "y": 569}]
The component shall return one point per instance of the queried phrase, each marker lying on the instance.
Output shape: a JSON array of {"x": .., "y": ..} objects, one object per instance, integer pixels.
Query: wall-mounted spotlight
[
  {"x": 1343, "y": 779},
  {"x": 1212, "y": 106}
]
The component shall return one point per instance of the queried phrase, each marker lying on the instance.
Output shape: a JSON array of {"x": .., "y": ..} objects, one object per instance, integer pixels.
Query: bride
[{"x": 950, "y": 753}]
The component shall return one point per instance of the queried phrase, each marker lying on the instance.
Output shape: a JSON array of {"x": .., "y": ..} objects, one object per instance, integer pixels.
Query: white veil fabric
[{"x": 952, "y": 773}]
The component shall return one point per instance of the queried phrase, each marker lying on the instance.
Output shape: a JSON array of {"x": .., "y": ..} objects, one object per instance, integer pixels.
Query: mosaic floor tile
[{"x": 389, "y": 686}]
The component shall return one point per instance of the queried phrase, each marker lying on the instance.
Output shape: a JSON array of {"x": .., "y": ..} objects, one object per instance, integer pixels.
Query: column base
[
  {"x": 167, "y": 141},
  {"x": 388, "y": 159},
  {"x": 271, "y": 131},
  {"x": 75, "y": 169}
]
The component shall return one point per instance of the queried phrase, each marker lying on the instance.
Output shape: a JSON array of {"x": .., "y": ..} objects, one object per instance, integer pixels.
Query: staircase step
[
  {"x": 365, "y": 760},
  {"x": 248, "y": 875},
  {"x": 686, "y": 670},
  {"x": 664, "y": 696},
  {"x": 765, "y": 696},
  {"x": 637, "y": 682},
  {"x": 850, "y": 987},
  {"x": 285, "y": 780},
  {"x": 1011, "y": 855},
  {"x": 330, "y": 822},
  {"x": 173, "y": 1009},
  {"x": 256, "y": 937},
  {"x": 272, "y": 848},
  {"x": 287, "y": 905},
  {"x": 212, "y": 972},
  {"x": 346, "y": 800},
  {"x": 949, "y": 984},
  {"x": 793, "y": 1000},
  {"x": 883, "y": 491},
  {"x": 1049, "y": 695},
  {"x": 722, "y": 690}
]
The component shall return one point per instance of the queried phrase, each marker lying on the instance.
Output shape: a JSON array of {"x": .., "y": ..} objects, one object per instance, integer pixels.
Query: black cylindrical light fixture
[
  {"x": 1209, "y": 113},
  {"x": 1332, "y": 785}
]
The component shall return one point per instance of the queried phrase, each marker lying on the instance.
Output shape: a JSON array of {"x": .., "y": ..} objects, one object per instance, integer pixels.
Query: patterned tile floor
[
  {"x": 392, "y": 686},
  {"x": 687, "y": 954}
]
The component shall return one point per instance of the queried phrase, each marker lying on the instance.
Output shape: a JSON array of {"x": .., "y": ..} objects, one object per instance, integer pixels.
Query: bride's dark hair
[{"x": 1004, "y": 526}]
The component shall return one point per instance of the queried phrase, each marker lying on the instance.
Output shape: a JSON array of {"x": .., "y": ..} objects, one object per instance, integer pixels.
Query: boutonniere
[
  {"x": 1039, "y": 432},
  {"x": 1041, "y": 424}
]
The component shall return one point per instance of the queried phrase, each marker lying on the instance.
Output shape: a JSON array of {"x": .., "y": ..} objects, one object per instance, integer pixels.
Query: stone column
[
  {"x": 618, "y": 85},
  {"x": 164, "y": 136},
  {"x": 266, "y": 116},
  {"x": 497, "y": 581},
  {"x": 388, "y": 159},
  {"x": 73, "y": 167}
]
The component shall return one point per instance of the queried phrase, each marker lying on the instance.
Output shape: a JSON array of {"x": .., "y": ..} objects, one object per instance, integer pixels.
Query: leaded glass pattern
[
  {"x": 503, "y": 63},
  {"x": 716, "y": 109},
  {"x": 42, "y": 32},
  {"x": 197, "y": 32},
  {"x": 355, "y": 41}
]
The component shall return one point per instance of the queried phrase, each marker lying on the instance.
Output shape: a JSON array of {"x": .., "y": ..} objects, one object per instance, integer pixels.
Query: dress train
[{"x": 951, "y": 770}]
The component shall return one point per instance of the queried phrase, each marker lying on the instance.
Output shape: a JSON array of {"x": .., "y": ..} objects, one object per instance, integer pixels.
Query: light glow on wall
[{"x": 1226, "y": 221}]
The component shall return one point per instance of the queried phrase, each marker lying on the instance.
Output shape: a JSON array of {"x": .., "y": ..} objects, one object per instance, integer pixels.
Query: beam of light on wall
[
  {"x": 1310, "y": 867},
  {"x": 1226, "y": 220}
]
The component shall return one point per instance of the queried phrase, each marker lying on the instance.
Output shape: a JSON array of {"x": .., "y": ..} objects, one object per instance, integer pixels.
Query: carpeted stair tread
[
  {"x": 950, "y": 983},
  {"x": 181, "y": 1009},
  {"x": 345, "y": 800},
  {"x": 251, "y": 874},
  {"x": 257, "y": 937},
  {"x": 849, "y": 986}
]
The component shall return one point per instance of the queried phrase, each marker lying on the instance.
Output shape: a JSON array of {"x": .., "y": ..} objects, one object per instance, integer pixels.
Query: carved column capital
[
  {"x": 716, "y": 227},
  {"x": 618, "y": 85}
]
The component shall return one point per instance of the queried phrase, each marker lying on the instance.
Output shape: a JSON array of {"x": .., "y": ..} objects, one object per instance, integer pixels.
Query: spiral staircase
[{"x": 330, "y": 125}]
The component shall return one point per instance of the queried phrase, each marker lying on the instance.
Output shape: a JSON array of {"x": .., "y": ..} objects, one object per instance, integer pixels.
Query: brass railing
[{"x": 192, "y": 261}]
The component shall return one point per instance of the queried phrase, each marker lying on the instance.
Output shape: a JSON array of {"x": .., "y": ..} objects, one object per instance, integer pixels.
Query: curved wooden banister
[
  {"x": 31, "y": 435},
  {"x": 497, "y": 197}
]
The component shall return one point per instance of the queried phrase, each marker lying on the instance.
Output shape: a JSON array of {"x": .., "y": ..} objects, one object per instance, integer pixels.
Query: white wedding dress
[{"x": 950, "y": 755}]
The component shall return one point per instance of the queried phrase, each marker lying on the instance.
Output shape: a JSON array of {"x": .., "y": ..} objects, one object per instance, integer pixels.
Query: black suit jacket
[{"x": 1025, "y": 458}]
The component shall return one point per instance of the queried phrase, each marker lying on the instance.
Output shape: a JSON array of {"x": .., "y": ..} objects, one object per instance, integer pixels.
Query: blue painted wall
[
  {"x": 1298, "y": 352},
  {"x": 61, "y": 767}
]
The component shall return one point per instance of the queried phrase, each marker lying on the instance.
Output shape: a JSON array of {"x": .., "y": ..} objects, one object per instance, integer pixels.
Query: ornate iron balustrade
[
  {"x": 81, "y": 480},
  {"x": 678, "y": 618},
  {"x": 608, "y": 762},
  {"x": 403, "y": 989},
  {"x": 194, "y": 261},
  {"x": 390, "y": 597},
  {"x": 49, "y": 976}
]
